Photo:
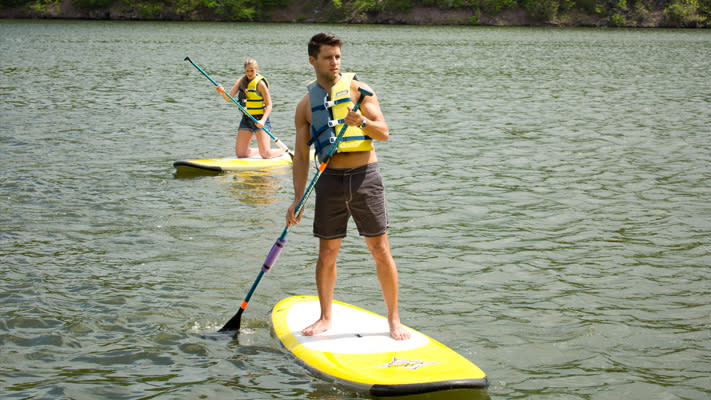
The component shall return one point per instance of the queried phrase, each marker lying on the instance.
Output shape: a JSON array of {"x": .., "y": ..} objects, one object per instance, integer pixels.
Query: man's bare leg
[
  {"x": 387, "y": 276},
  {"x": 326, "y": 274}
]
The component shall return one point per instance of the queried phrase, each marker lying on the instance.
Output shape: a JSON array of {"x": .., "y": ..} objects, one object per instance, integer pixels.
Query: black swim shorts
[{"x": 356, "y": 192}]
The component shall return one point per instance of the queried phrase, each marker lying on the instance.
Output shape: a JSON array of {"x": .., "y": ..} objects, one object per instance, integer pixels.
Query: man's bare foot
[
  {"x": 317, "y": 327},
  {"x": 399, "y": 332}
]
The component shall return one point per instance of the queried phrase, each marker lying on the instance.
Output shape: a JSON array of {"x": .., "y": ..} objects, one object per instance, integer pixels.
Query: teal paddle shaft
[
  {"x": 244, "y": 110},
  {"x": 234, "y": 323}
]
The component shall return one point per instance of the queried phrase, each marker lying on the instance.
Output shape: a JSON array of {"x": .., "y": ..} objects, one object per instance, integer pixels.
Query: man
[{"x": 351, "y": 185}]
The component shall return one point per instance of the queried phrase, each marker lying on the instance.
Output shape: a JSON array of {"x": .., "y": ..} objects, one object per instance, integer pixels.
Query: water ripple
[{"x": 547, "y": 194}]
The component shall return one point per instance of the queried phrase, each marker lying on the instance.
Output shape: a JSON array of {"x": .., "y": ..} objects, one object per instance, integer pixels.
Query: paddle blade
[{"x": 234, "y": 323}]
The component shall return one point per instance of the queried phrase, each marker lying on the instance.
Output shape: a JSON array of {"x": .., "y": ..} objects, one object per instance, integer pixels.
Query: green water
[{"x": 548, "y": 194}]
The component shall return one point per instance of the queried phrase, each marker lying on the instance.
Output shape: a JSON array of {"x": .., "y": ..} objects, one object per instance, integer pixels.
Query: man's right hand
[{"x": 290, "y": 218}]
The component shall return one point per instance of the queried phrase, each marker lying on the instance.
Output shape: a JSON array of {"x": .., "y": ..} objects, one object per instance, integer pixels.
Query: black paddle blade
[{"x": 234, "y": 323}]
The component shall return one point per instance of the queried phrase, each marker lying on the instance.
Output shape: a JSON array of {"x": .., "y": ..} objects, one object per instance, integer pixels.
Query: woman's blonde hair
[
  {"x": 250, "y": 61},
  {"x": 243, "y": 84}
]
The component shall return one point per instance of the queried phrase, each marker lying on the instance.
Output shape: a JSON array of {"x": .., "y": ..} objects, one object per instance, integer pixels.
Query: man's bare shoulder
[
  {"x": 303, "y": 109},
  {"x": 355, "y": 85}
]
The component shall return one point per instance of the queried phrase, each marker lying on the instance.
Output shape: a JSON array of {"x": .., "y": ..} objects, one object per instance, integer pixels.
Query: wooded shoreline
[{"x": 571, "y": 13}]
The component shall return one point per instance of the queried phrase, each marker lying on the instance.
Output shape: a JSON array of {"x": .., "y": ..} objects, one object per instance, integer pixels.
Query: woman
[{"x": 253, "y": 91}]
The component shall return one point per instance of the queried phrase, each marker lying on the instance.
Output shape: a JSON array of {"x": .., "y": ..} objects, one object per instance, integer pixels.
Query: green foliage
[
  {"x": 542, "y": 10},
  {"x": 359, "y": 8},
  {"x": 458, "y": 3},
  {"x": 365, "y": 5},
  {"x": 146, "y": 9},
  {"x": 617, "y": 20},
  {"x": 269, "y": 4},
  {"x": 42, "y": 5},
  {"x": 12, "y": 3},
  {"x": 444, "y": 4},
  {"x": 183, "y": 7},
  {"x": 705, "y": 7},
  {"x": 398, "y": 5},
  {"x": 587, "y": 6},
  {"x": 496, "y": 6},
  {"x": 683, "y": 13},
  {"x": 475, "y": 19},
  {"x": 566, "y": 4},
  {"x": 236, "y": 10},
  {"x": 91, "y": 4},
  {"x": 233, "y": 10}
]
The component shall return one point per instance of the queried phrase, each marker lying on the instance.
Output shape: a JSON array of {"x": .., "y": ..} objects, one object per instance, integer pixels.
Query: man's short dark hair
[{"x": 323, "y": 38}]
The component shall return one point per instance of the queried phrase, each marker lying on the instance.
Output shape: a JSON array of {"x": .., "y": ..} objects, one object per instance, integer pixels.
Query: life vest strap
[
  {"x": 349, "y": 138},
  {"x": 329, "y": 141},
  {"x": 328, "y": 104},
  {"x": 334, "y": 122}
]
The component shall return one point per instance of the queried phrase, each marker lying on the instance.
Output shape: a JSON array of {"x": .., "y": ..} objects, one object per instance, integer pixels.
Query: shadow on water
[
  {"x": 192, "y": 173},
  {"x": 455, "y": 394}
]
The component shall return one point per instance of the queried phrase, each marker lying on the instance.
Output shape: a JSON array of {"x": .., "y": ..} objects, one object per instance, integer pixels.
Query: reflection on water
[
  {"x": 250, "y": 186},
  {"x": 259, "y": 187}
]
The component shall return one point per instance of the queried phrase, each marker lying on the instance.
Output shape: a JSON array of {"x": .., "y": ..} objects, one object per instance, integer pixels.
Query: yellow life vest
[
  {"x": 254, "y": 102},
  {"x": 328, "y": 111}
]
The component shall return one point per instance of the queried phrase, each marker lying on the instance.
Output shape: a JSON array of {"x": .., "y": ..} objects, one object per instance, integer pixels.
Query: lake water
[{"x": 549, "y": 196}]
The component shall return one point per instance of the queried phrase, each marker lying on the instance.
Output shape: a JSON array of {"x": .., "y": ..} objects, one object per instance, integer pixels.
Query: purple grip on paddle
[{"x": 273, "y": 255}]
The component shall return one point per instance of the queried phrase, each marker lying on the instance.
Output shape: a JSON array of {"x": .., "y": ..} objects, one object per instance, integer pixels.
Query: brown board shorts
[{"x": 358, "y": 192}]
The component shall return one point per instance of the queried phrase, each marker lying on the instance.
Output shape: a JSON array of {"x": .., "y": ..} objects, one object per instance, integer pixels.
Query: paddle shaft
[
  {"x": 234, "y": 323},
  {"x": 244, "y": 110}
]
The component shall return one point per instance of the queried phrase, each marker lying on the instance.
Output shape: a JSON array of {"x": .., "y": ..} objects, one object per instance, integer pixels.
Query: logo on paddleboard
[{"x": 407, "y": 364}]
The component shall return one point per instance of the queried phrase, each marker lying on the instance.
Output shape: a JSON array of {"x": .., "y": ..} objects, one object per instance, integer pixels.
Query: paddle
[
  {"x": 234, "y": 323},
  {"x": 244, "y": 110}
]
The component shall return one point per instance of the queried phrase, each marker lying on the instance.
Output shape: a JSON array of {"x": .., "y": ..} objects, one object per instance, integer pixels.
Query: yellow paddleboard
[
  {"x": 227, "y": 164},
  {"x": 359, "y": 354}
]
